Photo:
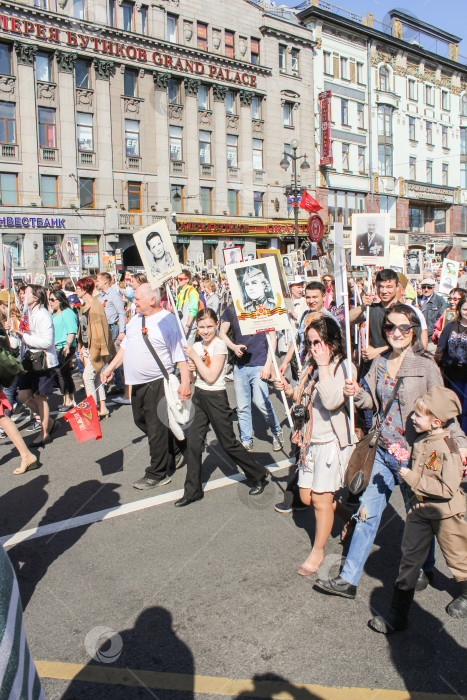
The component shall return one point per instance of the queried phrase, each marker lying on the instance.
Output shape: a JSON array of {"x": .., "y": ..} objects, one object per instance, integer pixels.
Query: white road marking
[{"x": 133, "y": 507}]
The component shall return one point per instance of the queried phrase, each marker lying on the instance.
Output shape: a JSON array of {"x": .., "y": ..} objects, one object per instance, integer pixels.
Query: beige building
[{"x": 117, "y": 115}]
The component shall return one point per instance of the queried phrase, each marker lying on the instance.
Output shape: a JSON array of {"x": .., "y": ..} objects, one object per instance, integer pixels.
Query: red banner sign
[
  {"x": 315, "y": 228},
  {"x": 84, "y": 420},
  {"x": 325, "y": 127}
]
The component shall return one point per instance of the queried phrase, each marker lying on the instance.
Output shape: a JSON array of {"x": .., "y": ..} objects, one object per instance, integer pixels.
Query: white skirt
[{"x": 323, "y": 469}]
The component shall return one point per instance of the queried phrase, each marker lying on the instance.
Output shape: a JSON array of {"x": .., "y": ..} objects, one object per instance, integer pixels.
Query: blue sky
[{"x": 450, "y": 15}]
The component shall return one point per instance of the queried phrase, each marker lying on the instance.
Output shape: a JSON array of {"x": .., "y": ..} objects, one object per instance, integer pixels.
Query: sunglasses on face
[
  {"x": 182, "y": 279},
  {"x": 427, "y": 286},
  {"x": 314, "y": 343},
  {"x": 404, "y": 329}
]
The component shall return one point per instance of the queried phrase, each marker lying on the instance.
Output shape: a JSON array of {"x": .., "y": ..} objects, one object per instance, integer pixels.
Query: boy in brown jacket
[{"x": 438, "y": 507}]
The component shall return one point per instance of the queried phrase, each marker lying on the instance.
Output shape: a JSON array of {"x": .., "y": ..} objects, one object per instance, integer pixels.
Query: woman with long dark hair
[
  {"x": 65, "y": 322},
  {"x": 322, "y": 430},
  {"x": 409, "y": 370}
]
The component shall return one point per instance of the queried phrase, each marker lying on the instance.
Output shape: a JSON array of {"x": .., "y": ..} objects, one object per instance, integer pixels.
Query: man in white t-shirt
[{"x": 145, "y": 377}]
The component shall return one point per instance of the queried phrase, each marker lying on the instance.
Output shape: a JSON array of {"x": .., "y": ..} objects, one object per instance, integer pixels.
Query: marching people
[
  {"x": 396, "y": 377},
  {"x": 95, "y": 344},
  {"x": 437, "y": 507},
  {"x": 432, "y": 305},
  {"x": 212, "y": 299},
  {"x": 187, "y": 303},
  {"x": 452, "y": 356},
  {"x": 448, "y": 314},
  {"x": 208, "y": 359},
  {"x": 148, "y": 400},
  {"x": 112, "y": 302},
  {"x": 65, "y": 322},
  {"x": 322, "y": 431}
]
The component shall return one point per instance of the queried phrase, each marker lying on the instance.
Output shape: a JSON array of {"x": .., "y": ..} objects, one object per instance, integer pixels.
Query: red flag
[
  {"x": 309, "y": 204},
  {"x": 84, "y": 420}
]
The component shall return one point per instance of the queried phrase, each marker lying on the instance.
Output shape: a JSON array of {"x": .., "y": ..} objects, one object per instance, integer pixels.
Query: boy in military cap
[
  {"x": 257, "y": 289},
  {"x": 438, "y": 507}
]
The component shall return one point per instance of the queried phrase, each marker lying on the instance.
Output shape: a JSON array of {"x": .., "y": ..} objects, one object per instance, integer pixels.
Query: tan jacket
[
  {"x": 435, "y": 476},
  {"x": 331, "y": 393},
  {"x": 101, "y": 346}
]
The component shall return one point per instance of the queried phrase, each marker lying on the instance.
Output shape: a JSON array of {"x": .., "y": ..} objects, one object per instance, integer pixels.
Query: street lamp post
[{"x": 295, "y": 188}]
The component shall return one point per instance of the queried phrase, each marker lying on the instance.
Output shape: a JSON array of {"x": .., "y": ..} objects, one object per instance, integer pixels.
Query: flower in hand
[{"x": 399, "y": 452}]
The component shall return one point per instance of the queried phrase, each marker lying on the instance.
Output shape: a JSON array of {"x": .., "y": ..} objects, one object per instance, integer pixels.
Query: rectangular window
[
  {"x": 295, "y": 61},
  {"x": 444, "y": 136},
  {"x": 16, "y": 244},
  {"x": 360, "y": 116},
  {"x": 412, "y": 128},
  {"x": 463, "y": 141},
  {"x": 345, "y": 112},
  {"x": 287, "y": 111},
  {"x": 464, "y": 175},
  {"x": 345, "y": 156},
  {"x": 134, "y": 196},
  {"x": 229, "y": 44},
  {"x": 384, "y": 79},
  {"x": 112, "y": 20},
  {"x": 78, "y": 9},
  {"x": 8, "y": 188},
  {"x": 429, "y": 171},
  {"x": 385, "y": 160},
  {"x": 445, "y": 167},
  {"x": 429, "y": 133},
  {"x": 172, "y": 28},
  {"x": 258, "y": 203},
  {"x": 174, "y": 92},
  {"x": 282, "y": 57},
  {"x": 49, "y": 242},
  {"x": 445, "y": 100},
  {"x": 412, "y": 168},
  {"x": 412, "y": 89},
  {"x": 205, "y": 147},
  {"x": 84, "y": 131},
  {"x": 360, "y": 73},
  {"x": 255, "y": 58},
  {"x": 257, "y": 154},
  {"x": 429, "y": 95},
  {"x": 327, "y": 63},
  {"x": 230, "y": 106},
  {"x": 128, "y": 14},
  {"x": 232, "y": 199},
  {"x": 129, "y": 82},
  {"x": 86, "y": 193},
  {"x": 131, "y": 137},
  {"x": 175, "y": 139},
  {"x": 206, "y": 200},
  {"x": 440, "y": 220},
  {"x": 361, "y": 159},
  {"x": 41, "y": 4},
  {"x": 144, "y": 20},
  {"x": 46, "y": 127},
  {"x": 203, "y": 97},
  {"x": 232, "y": 151},
  {"x": 44, "y": 67},
  {"x": 82, "y": 71},
  {"x": 256, "y": 108},
  {"x": 7, "y": 122},
  {"x": 5, "y": 59},
  {"x": 388, "y": 205},
  {"x": 384, "y": 121},
  {"x": 202, "y": 36},
  {"x": 344, "y": 68},
  {"x": 49, "y": 195},
  {"x": 416, "y": 219},
  {"x": 177, "y": 198}
]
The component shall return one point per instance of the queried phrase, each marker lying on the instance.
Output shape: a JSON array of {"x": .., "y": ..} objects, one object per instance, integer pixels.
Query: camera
[{"x": 299, "y": 413}]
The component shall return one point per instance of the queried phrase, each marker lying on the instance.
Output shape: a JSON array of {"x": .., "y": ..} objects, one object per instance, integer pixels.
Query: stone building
[{"x": 115, "y": 115}]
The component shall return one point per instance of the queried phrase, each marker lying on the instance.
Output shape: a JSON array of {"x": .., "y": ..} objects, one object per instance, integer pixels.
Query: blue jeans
[
  {"x": 11, "y": 392},
  {"x": 248, "y": 384},
  {"x": 374, "y": 500},
  {"x": 119, "y": 380}
]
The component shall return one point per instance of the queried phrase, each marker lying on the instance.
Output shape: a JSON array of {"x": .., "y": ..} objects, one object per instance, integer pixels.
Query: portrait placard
[
  {"x": 274, "y": 253},
  {"x": 157, "y": 253},
  {"x": 257, "y": 296},
  {"x": 288, "y": 262},
  {"x": 449, "y": 275},
  {"x": 414, "y": 263},
  {"x": 397, "y": 260},
  {"x": 370, "y": 239},
  {"x": 234, "y": 254}
]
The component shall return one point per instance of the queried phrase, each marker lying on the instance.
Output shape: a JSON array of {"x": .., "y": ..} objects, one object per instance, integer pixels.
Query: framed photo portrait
[
  {"x": 157, "y": 253},
  {"x": 233, "y": 255},
  {"x": 200, "y": 259},
  {"x": 288, "y": 262},
  {"x": 275, "y": 254},
  {"x": 257, "y": 296},
  {"x": 414, "y": 263},
  {"x": 370, "y": 240},
  {"x": 312, "y": 269}
]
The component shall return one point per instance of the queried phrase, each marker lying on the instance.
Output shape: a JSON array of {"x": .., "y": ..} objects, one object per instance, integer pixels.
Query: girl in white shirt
[{"x": 208, "y": 359}]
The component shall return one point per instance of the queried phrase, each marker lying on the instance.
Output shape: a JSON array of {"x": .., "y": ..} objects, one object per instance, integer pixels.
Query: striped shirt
[{"x": 18, "y": 675}]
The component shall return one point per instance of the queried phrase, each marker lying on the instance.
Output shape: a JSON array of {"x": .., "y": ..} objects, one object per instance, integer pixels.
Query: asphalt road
[{"x": 207, "y": 591}]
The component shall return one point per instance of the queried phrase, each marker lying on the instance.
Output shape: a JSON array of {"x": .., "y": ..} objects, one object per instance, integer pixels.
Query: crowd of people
[{"x": 407, "y": 373}]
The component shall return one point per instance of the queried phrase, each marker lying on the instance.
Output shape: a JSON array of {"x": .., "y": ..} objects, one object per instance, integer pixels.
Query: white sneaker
[
  {"x": 121, "y": 399},
  {"x": 2, "y": 434}
]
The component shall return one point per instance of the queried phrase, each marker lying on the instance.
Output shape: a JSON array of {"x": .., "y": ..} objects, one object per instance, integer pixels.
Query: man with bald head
[{"x": 144, "y": 375}]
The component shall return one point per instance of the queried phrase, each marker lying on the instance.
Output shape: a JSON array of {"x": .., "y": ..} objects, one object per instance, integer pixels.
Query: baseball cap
[
  {"x": 296, "y": 280},
  {"x": 428, "y": 281}
]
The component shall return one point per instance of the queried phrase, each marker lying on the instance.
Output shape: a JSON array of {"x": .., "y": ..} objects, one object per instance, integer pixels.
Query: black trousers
[
  {"x": 64, "y": 371},
  {"x": 150, "y": 415},
  {"x": 212, "y": 408}
]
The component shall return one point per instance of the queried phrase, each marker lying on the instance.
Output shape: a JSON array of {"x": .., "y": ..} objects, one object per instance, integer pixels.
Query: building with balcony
[
  {"x": 116, "y": 115},
  {"x": 398, "y": 119}
]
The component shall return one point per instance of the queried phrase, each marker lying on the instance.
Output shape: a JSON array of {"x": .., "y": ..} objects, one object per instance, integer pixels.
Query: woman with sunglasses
[
  {"x": 452, "y": 356},
  {"x": 449, "y": 314},
  {"x": 65, "y": 323},
  {"x": 328, "y": 281},
  {"x": 408, "y": 361},
  {"x": 322, "y": 431}
]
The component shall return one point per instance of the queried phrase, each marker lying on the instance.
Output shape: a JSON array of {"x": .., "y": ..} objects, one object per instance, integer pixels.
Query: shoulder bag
[
  {"x": 10, "y": 367},
  {"x": 177, "y": 410},
  {"x": 362, "y": 459}
]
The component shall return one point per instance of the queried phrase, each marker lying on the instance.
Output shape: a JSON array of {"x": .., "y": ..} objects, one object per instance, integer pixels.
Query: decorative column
[
  {"x": 68, "y": 146},
  {"x": 26, "y": 119},
  {"x": 161, "y": 130},
  {"x": 103, "y": 131},
  {"x": 245, "y": 154},
  {"x": 219, "y": 141},
  {"x": 191, "y": 141}
]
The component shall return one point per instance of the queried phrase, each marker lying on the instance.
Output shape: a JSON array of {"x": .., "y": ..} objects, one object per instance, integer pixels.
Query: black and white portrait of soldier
[
  {"x": 370, "y": 242},
  {"x": 413, "y": 262},
  {"x": 232, "y": 255},
  {"x": 370, "y": 239},
  {"x": 160, "y": 259},
  {"x": 256, "y": 288}
]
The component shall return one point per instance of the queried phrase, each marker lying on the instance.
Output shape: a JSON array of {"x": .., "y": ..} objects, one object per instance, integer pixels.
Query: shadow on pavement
[
  {"x": 112, "y": 463},
  {"x": 19, "y": 505},
  {"x": 269, "y": 685}
]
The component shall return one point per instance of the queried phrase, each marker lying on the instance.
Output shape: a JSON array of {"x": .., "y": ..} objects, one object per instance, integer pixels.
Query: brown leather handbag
[{"x": 360, "y": 466}]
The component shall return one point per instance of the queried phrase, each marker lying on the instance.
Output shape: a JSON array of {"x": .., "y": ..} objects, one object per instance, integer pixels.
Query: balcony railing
[
  {"x": 9, "y": 150},
  {"x": 87, "y": 158},
  {"x": 133, "y": 163},
  {"x": 138, "y": 220},
  {"x": 207, "y": 170},
  {"x": 233, "y": 173},
  {"x": 177, "y": 167},
  {"x": 49, "y": 155},
  {"x": 259, "y": 175}
]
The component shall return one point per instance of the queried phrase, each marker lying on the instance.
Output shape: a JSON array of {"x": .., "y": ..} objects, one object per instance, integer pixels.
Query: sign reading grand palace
[{"x": 120, "y": 49}]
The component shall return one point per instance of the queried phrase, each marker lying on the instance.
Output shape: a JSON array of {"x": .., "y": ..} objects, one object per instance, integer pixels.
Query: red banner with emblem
[{"x": 84, "y": 420}]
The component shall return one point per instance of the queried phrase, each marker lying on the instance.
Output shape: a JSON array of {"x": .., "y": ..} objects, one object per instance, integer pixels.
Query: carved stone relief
[
  {"x": 176, "y": 112},
  {"x": 131, "y": 105},
  {"x": 161, "y": 80},
  {"x": 7, "y": 84},
  {"x": 25, "y": 53},
  {"x": 46, "y": 91},
  {"x": 65, "y": 61},
  {"x": 84, "y": 97},
  {"x": 103, "y": 69},
  {"x": 231, "y": 121}
]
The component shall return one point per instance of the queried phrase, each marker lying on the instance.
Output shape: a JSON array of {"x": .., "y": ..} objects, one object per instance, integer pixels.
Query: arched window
[
  {"x": 464, "y": 105},
  {"x": 384, "y": 79}
]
